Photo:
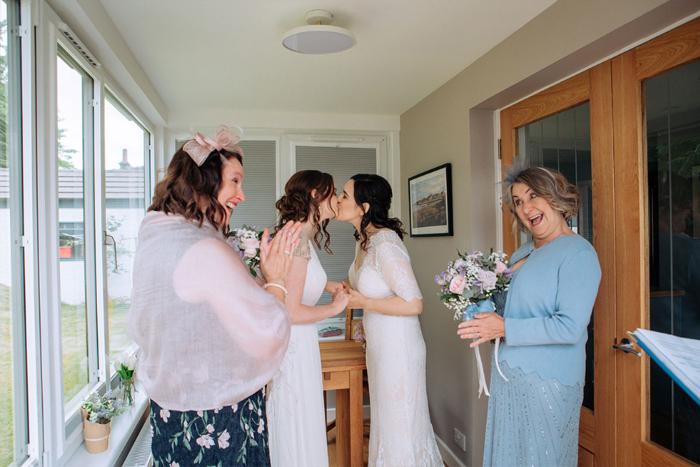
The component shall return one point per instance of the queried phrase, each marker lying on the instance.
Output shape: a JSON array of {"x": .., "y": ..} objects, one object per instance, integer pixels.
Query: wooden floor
[
  {"x": 365, "y": 442},
  {"x": 331, "y": 445}
]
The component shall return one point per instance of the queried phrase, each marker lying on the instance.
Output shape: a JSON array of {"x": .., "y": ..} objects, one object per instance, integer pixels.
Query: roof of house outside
[{"x": 119, "y": 184}]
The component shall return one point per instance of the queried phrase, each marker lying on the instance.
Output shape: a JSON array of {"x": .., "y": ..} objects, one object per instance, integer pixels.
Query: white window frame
[{"x": 61, "y": 434}]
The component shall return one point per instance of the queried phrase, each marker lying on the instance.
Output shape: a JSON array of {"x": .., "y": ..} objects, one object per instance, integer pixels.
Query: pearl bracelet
[{"x": 272, "y": 284}]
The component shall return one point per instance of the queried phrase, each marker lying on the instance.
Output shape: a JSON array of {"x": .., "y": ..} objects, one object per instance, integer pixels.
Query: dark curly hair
[
  {"x": 375, "y": 191},
  {"x": 297, "y": 204},
  {"x": 192, "y": 191}
]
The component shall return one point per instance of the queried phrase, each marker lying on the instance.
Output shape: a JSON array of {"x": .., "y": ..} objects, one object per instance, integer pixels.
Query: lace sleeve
[
  {"x": 304, "y": 247},
  {"x": 394, "y": 264}
]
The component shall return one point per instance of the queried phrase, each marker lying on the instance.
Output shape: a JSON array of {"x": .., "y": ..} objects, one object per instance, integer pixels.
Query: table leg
[
  {"x": 356, "y": 419},
  {"x": 342, "y": 427}
]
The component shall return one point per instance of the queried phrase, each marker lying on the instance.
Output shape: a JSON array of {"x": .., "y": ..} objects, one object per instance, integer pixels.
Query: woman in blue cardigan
[{"x": 533, "y": 418}]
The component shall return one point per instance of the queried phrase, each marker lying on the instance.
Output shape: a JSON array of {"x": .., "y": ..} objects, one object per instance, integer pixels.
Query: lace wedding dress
[
  {"x": 295, "y": 407},
  {"x": 401, "y": 433}
]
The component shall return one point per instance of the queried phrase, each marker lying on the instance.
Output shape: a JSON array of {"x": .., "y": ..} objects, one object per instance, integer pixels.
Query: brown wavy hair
[
  {"x": 551, "y": 185},
  {"x": 192, "y": 191},
  {"x": 374, "y": 190},
  {"x": 297, "y": 204}
]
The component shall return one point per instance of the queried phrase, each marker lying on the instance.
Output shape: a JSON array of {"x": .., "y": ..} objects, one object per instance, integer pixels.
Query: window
[
  {"x": 126, "y": 146},
  {"x": 13, "y": 390},
  {"x": 74, "y": 128}
]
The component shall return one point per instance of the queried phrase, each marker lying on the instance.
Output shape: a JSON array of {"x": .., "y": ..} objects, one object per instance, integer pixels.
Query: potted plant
[
  {"x": 65, "y": 248},
  {"x": 98, "y": 411},
  {"x": 125, "y": 369}
]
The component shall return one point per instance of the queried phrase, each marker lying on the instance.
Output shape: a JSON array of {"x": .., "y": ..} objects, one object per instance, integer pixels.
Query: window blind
[
  {"x": 259, "y": 185},
  {"x": 341, "y": 163}
]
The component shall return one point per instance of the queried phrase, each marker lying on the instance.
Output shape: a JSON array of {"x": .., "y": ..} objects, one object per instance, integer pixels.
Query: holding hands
[
  {"x": 341, "y": 298},
  {"x": 485, "y": 327}
]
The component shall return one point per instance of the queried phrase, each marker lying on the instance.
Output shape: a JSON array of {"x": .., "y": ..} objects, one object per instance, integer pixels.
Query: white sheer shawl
[{"x": 209, "y": 335}]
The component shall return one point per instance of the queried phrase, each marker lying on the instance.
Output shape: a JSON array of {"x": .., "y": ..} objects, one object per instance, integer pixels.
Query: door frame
[
  {"x": 597, "y": 433},
  {"x": 629, "y": 70}
]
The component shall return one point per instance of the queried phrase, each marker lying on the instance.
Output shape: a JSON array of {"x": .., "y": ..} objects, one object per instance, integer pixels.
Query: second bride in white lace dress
[
  {"x": 295, "y": 406},
  {"x": 384, "y": 286}
]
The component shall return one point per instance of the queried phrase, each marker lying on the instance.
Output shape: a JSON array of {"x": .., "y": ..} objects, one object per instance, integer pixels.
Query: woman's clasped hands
[{"x": 276, "y": 255}]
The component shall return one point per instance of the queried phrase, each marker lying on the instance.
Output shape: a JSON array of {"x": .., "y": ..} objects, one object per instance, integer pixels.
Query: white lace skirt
[
  {"x": 295, "y": 408},
  {"x": 401, "y": 433}
]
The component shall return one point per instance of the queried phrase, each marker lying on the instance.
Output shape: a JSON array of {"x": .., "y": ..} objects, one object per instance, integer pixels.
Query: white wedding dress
[
  {"x": 295, "y": 406},
  {"x": 401, "y": 433}
]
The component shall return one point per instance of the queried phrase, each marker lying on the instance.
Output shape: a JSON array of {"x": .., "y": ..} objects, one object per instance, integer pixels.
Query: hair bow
[{"x": 201, "y": 146}]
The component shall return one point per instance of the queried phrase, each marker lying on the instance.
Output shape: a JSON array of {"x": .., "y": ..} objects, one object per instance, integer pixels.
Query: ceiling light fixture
[{"x": 319, "y": 38}]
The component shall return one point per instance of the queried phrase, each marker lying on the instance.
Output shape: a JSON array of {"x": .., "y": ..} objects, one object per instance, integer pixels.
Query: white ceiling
[{"x": 227, "y": 54}]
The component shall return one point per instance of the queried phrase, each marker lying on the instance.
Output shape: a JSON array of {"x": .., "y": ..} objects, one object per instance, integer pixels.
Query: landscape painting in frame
[{"x": 430, "y": 200}]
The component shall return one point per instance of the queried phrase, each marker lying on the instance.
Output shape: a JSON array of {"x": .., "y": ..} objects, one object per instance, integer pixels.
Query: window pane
[
  {"x": 71, "y": 241},
  {"x": 125, "y": 194},
  {"x": 563, "y": 142},
  {"x": 673, "y": 156},
  {"x": 13, "y": 408}
]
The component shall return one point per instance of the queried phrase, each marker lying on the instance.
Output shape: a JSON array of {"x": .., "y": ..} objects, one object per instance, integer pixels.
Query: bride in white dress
[
  {"x": 384, "y": 286},
  {"x": 295, "y": 408}
]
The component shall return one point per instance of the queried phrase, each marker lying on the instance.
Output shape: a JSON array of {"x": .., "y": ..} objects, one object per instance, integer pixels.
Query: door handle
[
  {"x": 114, "y": 244},
  {"x": 626, "y": 346}
]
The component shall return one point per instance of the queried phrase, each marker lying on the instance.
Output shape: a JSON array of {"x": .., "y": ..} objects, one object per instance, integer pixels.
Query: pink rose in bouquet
[{"x": 457, "y": 284}]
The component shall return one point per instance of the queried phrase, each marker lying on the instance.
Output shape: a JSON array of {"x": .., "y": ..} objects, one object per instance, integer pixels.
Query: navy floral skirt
[{"x": 230, "y": 436}]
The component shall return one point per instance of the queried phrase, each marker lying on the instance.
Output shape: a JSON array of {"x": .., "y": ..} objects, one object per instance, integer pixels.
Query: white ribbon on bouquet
[{"x": 483, "y": 306}]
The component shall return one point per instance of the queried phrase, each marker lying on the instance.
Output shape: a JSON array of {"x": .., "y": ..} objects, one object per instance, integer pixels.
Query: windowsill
[{"x": 123, "y": 427}]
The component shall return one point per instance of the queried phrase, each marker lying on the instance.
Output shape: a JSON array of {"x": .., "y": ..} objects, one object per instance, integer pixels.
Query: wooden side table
[{"x": 342, "y": 363}]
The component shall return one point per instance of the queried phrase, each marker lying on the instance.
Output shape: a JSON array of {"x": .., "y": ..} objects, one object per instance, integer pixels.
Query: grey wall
[{"x": 455, "y": 124}]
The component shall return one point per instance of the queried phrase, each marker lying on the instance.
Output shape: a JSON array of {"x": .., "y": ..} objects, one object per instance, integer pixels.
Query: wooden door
[
  {"x": 628, "y": 423},
  {"x": 591, "y": 89},
  {"x": 641, "y": 440}
]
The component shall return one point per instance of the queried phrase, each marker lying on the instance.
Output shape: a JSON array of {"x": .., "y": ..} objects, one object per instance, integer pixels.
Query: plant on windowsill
[
  {"x": 98, "y": 412},
  {"x": 125, "y": 369}
]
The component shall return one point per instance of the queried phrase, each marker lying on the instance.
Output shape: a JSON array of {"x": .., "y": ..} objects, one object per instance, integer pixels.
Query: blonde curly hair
[{"x": 548, "y": 183}]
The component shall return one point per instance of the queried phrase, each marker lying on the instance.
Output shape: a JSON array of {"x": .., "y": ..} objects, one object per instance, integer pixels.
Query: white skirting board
[
  {"x": 447, "y": 455},
  {"x": 330, "y": 413}
]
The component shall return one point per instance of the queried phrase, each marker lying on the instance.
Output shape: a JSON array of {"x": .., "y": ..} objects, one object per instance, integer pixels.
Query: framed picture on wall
[{"x": 430, "y": 202}]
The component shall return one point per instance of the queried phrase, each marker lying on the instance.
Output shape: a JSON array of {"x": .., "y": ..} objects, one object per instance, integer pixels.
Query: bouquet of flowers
[
  {"x": 358, "y": 335},
  {"x": 473, "y": 283},
  {"x": 246, "y": 241},
  {"x": 125, "y": 368}
]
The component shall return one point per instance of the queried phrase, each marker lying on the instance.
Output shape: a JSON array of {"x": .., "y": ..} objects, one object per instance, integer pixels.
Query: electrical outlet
[{"x": 459, "y": 439}]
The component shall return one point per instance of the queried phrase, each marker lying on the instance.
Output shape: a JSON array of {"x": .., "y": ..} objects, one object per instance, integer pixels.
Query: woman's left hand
[
  {"x": 485, "y": 327},
  {"x": 357, "y": 300}
]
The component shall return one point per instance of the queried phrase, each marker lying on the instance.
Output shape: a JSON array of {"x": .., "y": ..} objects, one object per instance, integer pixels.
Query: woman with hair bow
[
  {"x": 533, "y": 414},
  {"x": 210, "y": 336}
]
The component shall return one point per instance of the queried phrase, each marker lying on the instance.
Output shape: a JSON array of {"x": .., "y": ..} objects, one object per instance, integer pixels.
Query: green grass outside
[
  {"x": 118, "y": 339},
  {"x": 74, "y": 340},
  {"x": 75, "y": 362},
  {"x": 6, "y": 420}
]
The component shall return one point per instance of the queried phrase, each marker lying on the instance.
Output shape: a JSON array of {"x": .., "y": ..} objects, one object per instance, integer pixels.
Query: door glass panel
[
  {"x": 673, "y": 157},
  {"x": 563, "y": 142},
  {"x": 125, "y": 182},
  {"x": 71, "y": 219}
]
